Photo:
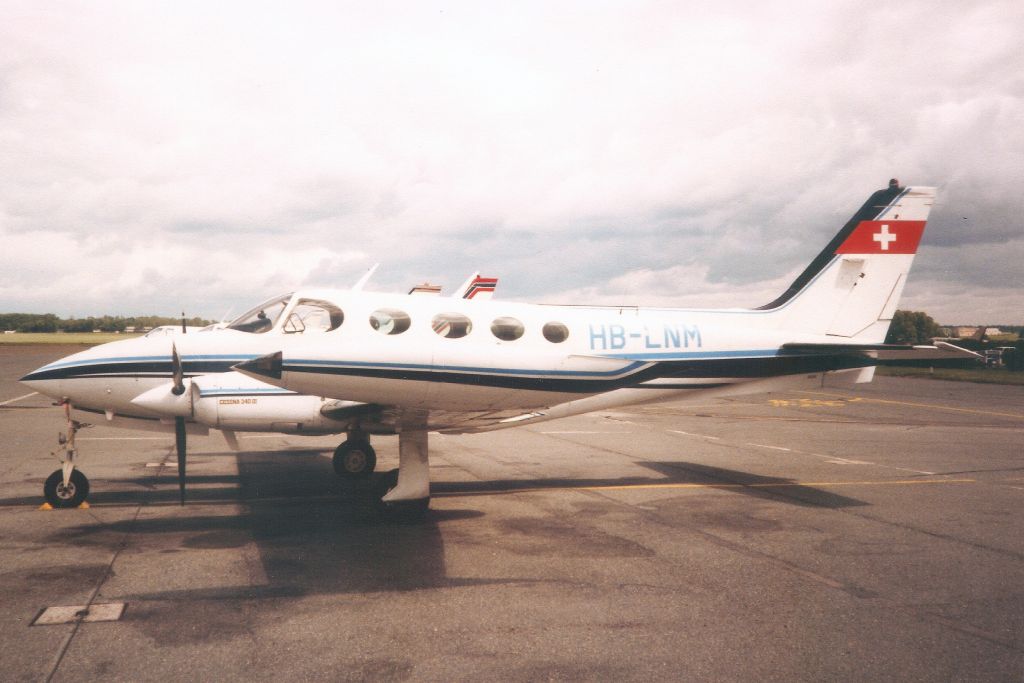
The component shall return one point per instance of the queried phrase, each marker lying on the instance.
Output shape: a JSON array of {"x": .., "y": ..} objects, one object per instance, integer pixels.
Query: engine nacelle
[
  {"x": 235, "y": 402},
  {"x": 239, "y": 403}
]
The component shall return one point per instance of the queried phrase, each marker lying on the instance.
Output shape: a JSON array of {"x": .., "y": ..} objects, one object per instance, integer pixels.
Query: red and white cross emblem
[
  {"x": 884, "y": 237},
  {"x": 890, "y": 237}
]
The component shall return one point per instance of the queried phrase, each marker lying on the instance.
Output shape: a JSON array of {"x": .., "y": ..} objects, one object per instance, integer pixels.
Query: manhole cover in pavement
[{"x": 69, "y": 614}]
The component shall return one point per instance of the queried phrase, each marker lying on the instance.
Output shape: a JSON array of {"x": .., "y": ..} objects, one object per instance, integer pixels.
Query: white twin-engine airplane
[{"x": 408, "y": 365}]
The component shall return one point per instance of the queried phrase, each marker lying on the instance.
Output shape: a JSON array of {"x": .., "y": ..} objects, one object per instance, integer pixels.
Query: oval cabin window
[
  {"x": 507, "y": 329},
  {"x": 556, "y": 333},
  {"x": 451, "y": 325},
  {"x": 390, "y": 321}
]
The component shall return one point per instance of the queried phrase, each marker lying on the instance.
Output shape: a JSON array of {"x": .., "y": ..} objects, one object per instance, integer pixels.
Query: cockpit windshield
[{"x": 262, "y": 318}]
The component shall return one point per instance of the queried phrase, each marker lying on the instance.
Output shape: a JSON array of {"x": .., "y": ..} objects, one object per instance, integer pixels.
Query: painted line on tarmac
[
  {"x": 124, "y": 438},
  {"x": 20, "y": 398},
  {"x": 680, "y": 486},
  {"x": 831, "y": 459},
  {"x": 774, "y": 448},
  {"x": 702, "y": 436},
  {"x": 585, "y": 432},
  {"x": 837, "y": 460},
  {"x": 860, "y": 399},
  {"x": 802, "y": 484}
]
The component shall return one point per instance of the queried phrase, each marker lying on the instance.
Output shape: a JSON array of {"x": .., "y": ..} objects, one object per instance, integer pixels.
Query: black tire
[
  {"x": 354, "y": 460},
  {"x": 71, "y": 497}
]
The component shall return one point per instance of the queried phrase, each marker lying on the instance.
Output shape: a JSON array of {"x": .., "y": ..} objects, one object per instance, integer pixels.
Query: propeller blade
[
  {"x": 179, "y": 442},
  {"x": 177, "y": 371}
]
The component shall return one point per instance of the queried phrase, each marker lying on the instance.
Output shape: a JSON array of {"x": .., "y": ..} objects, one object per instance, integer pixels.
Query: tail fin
[
  {"x": 851, "y": 289},
  {"x": 477, "y": 287}
]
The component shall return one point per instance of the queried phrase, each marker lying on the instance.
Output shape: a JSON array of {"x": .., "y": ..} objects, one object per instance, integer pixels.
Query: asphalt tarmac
[{"x": 873, "y": 534}]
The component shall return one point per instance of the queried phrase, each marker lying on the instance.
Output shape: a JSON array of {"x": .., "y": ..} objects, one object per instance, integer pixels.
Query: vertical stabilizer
[{"x": 851, "y": 290}]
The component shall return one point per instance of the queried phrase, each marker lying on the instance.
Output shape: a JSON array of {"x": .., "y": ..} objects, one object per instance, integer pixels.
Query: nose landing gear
[{"x": 67, "y": 487}]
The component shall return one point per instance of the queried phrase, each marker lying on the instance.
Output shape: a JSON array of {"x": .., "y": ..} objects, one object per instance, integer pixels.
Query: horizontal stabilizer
[{"x": 892, "y": 354}]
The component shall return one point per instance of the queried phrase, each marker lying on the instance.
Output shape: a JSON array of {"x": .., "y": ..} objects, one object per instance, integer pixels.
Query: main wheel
[
  {"x": 70, "y": 496},
  {"x": 354, "y": 460}
]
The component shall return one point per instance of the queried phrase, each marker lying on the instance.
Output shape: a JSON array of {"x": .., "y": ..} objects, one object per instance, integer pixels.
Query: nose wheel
[{"x": 66, "y": 495}]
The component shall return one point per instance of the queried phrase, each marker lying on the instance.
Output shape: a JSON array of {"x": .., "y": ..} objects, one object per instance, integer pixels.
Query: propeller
[
  {"x": 179, "y": 442},
  {"x": 178, "y": 373}
]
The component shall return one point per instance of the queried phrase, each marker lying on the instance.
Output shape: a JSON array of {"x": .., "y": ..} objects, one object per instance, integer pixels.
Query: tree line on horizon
[
  {"x": 917, "y": 327},
  {"x": 48, "y": 322}
]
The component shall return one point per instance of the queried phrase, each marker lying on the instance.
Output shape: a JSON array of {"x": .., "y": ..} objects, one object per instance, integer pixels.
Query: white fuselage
[{"x": 610, "y": 356}]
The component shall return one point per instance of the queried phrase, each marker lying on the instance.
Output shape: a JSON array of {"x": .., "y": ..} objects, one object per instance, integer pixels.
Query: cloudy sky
[{"x": 203, "y": 156}]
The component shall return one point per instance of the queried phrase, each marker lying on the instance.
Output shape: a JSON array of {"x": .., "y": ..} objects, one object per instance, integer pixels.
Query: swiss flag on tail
[{"x": 883, "y": 237}]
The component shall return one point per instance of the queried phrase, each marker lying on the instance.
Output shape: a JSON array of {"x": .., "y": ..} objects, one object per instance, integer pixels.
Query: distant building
[
  {"x": 426, "y": 288},
  {"x": 964, "y": 332}
]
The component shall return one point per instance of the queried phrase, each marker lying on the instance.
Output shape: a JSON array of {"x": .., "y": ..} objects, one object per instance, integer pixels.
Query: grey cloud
[{"x": 557, "y": 148}]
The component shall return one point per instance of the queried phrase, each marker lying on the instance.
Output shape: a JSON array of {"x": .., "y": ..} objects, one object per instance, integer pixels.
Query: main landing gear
[
  {"x": 67, "y": 487},
  {"x": 406, "y": 489},
  {"x": 355, "y": 458}
]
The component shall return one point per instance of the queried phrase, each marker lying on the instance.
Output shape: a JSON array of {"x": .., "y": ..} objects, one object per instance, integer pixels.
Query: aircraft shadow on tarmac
[
  {"x": 313, "y": 533},
  {"x": 317, "y": 535},
  {"x": 682, "y": 474},
  {"x": 284, "y": 478}
]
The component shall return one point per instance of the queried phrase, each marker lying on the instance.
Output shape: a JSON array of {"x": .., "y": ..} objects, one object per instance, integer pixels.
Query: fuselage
[
  {"x": 458, "y": 356},
  {"x": 505, "y": 358},
  {"x": 471, "y": 364}
]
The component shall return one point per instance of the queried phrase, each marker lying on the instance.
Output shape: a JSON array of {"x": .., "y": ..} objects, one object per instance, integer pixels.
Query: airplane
[
  {"x": 423, "y": 366},
  {"x": 116, "y": 381},
  {"x": 409, "y": 365}
]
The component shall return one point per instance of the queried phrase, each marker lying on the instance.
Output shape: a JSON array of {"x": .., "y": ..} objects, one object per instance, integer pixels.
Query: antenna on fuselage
[{"x": 358, "y": 286}]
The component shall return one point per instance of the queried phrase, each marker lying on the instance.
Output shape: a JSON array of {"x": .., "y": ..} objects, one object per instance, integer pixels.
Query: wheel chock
[{"x": 47, "y": 506}]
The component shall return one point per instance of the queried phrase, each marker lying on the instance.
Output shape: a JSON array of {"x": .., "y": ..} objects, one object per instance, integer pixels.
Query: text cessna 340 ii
[{"x": 395, "y": 364}]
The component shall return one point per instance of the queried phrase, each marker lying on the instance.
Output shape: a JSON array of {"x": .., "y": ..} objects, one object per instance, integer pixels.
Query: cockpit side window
[
  {"x": 262, "y": 318},
  {"x": 313, "y": 315}
]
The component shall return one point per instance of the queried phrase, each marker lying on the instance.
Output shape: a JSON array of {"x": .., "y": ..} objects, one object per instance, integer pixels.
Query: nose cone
[
  {"x": 46, "y": 380},
  {"x": 52, "y": 378}
]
